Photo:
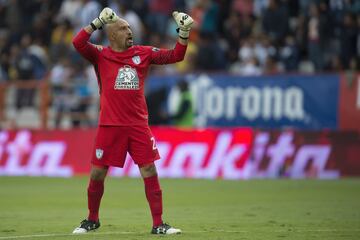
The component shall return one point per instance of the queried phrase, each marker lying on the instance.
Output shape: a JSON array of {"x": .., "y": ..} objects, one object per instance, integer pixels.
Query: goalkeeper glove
[
  {"x": 184, "y": 23},
  {"x": 106, "y": 16}
]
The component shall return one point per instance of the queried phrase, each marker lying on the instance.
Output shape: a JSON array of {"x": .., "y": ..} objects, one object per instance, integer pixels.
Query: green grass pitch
[{"x": 50, "y": 208}]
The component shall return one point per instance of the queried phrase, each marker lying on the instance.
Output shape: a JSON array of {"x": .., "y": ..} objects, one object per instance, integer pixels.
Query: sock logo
[{"x": 99, "y": 153}]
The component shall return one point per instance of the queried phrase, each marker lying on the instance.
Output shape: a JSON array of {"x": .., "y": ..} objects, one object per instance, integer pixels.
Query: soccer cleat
[
  {"x": 86, "y": 226},
  {"x": 165, "y": 229}
]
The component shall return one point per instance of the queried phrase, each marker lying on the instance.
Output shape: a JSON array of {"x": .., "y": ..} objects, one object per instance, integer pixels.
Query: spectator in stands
[
  {"x": 259, "y": 6},
  {"x": 304, "y": 5},
  {"x": 335, "y": 64},
  {"x": 300, "y": 34},
  {"x": 3, "y": 11},
  {"x": 71, "y": 95},
  {"x": 184, "y": 115},
  {"x": 210, "y": 19},
  {"x": 197, "y": 11},
  {"x": 37, "y": 18},
  {"x": 271, "y": 66},
  {"x": 13, "y": 19},
  {"x": 244, "y": 7},
  {"x": 354, "y": 65},
  {"x": 87, "y": 12},
  {"x": 38, "y": 56},
  {"x": 156, "y": 101},
  {"x": 210, "y": 56},
  {"x": 348, "y": 39},
  {"x": 289, "y": 35},
  {"x": 247, "y": 63},
  {"x": 159, "y": 12},
  {"x": 355, "y": 7},
  {"x": 28, "y": 67},
  {"x": 4, "y": 56},
  {"x": 3, "y": 73},
  {"x": 82, "y": 98},
  {"x": 61, "y": 40},
  {"x": 232, "y": 34},
  {"x": 315, "y": 28},
  {"x": 320, "y": 28},
  {"x": 289, "y": 54},
  {"x": 68, "y": 11},
  {"x": 60, "y": 80},
  {"x": 247, "y": 49},
  {"x": 38, "y": 50},
  {"x": 141, "y": 8},
  {"x": 263, "y": 48},
  {"x": 275, "y": 21},
  {"x": 329, "y": 46},
  {"x": 248, "y": 67}
]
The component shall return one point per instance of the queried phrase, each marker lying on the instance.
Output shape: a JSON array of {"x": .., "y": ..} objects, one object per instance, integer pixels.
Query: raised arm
[
  {"x": 86, "y": 49},
  {"x": 167, "y": 56},
  {"x": 81, "y": 40},
  {"x": 184, "y": 23}
]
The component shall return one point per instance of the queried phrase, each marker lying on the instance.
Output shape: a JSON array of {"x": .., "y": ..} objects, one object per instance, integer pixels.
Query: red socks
[
  {"x": 95, "y": 192},
  {"x": 154, "y": 197},
  {"x": 152, "y": 191}
]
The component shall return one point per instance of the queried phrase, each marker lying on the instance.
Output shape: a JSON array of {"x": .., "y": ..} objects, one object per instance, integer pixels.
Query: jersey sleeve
[
  {"x": 85, "y": 48},
  {"x": 167, "y": 56}
]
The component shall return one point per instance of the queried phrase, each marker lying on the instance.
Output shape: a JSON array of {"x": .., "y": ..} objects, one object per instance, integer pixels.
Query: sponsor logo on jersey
[
  {"x": 127, "y": 78},
  {"x": 99, "y": 153},
  {"x": 136, "y": 59}
]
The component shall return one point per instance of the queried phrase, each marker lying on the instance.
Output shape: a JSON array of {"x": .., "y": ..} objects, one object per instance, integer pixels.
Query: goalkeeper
[{"x": 121, "y": 69}]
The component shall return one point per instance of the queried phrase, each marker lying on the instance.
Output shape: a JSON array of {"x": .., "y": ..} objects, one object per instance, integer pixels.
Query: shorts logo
[
  {"x": 136, "y": 60},
  {"x": 127, "y": 78},
  {"x": 99, "y": 153}
]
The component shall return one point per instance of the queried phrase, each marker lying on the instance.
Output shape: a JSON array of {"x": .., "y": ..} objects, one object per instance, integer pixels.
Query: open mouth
[{"x": 130, "y": 39}]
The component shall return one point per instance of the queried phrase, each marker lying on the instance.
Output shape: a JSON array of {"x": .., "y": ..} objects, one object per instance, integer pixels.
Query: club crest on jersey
[
  {"x": 99, "y": 153},
  {"x": 136, "y": 59},
  {"x": 127, "y": 78}
]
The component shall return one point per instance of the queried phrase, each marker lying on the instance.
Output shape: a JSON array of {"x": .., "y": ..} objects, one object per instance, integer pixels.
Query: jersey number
[{"x": 153, "y": 143}]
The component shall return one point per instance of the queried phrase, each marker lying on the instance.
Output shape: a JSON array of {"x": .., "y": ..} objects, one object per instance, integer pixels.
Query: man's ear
[{"x": 112, "y": 35}]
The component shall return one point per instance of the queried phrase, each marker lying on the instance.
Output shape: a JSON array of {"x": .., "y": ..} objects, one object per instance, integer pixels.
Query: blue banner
[{"x": 304, "y": 102}]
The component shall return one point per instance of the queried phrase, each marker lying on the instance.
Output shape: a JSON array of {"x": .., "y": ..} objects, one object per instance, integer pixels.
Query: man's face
[{"x": 120, "y": 33}]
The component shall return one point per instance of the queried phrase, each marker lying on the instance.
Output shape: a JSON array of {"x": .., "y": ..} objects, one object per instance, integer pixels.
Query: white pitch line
[
  {"x": 65, "y": 235},
  {"x": 317, "y": 230},
  {"x": 102, "y": 233},
  {"x": 208, "y": 231}
]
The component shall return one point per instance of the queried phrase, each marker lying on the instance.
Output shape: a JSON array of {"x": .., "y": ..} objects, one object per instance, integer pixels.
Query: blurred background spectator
[
  {"x": 245, "y": 37},
  {"x": 183, "y": 115}
]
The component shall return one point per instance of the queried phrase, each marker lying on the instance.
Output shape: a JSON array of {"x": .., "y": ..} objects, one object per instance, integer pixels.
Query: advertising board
[{"x": 211, "y": 153}]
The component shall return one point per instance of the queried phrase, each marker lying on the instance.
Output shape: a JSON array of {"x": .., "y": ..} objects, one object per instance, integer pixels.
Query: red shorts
[{"x": 113, "y": 142}]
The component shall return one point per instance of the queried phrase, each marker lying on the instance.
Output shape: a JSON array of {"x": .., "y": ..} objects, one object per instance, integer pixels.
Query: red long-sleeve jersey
[{"x": 121, "y": 77}]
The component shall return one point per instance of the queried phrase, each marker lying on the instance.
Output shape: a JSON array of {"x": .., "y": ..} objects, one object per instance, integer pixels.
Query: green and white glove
[
  {"x": 184, "y": 23},
  {"x": 106, "y": 16}
]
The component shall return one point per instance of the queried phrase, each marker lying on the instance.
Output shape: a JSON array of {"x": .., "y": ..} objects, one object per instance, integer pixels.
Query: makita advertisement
[
  {"x": 227, "y": 153},
  {"x": 304, "y": 102}
]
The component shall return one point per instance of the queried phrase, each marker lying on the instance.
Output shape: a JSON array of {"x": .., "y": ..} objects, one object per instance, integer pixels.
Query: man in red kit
[{"x": 121, "y": 70}]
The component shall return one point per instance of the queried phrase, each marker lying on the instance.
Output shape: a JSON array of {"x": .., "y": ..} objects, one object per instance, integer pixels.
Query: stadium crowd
[{"x": 244, "y": 37}]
